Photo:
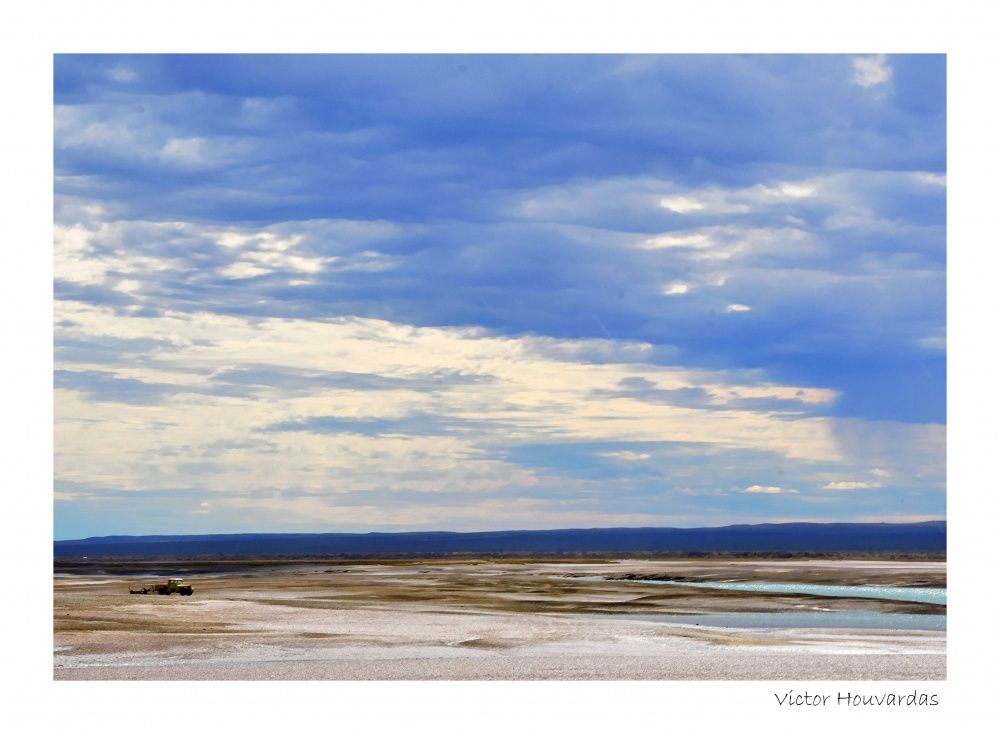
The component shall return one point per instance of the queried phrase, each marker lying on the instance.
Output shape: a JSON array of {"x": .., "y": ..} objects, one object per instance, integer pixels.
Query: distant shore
[{"x": 791, "y": 539}]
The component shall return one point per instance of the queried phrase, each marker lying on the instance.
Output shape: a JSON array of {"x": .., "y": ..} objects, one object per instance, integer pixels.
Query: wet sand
[{"x": 481, "y": 621}]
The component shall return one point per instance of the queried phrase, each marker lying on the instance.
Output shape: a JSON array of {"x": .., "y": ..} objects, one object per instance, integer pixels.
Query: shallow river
[{"x": 897, "y": 593}]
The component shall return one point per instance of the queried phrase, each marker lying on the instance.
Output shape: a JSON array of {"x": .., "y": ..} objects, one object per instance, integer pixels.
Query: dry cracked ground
[{"x": 477, "y": 621}]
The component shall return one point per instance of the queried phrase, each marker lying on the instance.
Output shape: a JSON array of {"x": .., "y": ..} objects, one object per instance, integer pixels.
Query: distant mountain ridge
[{"x": 928, "y": 537}]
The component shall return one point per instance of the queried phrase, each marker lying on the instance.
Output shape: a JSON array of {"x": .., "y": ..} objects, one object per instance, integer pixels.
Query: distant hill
[{"x": 924, "y": 537}]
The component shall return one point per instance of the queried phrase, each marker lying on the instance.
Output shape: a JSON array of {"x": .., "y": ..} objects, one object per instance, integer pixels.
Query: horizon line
[{"x": 508, "y": 530}]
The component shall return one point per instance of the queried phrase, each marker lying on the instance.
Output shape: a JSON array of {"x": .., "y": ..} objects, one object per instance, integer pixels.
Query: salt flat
[{"x": 478, "y": 621}]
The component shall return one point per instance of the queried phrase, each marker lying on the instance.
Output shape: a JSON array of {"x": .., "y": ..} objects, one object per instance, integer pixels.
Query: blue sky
[{"x": 352, "y": 293}]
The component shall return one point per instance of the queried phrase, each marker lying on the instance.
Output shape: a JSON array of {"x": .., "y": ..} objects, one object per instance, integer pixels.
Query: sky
[{"x": 352, "y": 293}]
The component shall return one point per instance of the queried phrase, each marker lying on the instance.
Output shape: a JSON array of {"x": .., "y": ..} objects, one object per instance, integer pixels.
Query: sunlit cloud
[
  {"x": 851, "y": 485},
  {"x": 758, "y": 489},
  {"x": 871, "y": 70},
  {"x": 681, "y": 204},
  {"x": 626, "y": 456},
  {"x": 675, "y": 289}
]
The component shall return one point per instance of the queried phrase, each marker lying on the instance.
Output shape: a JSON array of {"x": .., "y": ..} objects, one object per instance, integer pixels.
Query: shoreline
[{"x": 459, "y": 622}]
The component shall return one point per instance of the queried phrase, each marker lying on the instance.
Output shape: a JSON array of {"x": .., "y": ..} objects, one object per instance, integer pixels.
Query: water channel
[
  {"x": 927, "y": 595},
  {"x": 815, "y": 618}
]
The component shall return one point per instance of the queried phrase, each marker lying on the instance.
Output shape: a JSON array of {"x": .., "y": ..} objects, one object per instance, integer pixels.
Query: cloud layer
[{"x": 463, "y": 292}]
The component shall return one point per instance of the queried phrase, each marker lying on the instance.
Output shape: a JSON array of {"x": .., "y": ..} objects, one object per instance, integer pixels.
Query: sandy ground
[{"x": 479, "y": 621}]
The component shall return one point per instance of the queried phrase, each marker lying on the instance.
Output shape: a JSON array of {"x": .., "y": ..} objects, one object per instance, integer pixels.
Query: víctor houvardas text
[{"x": 907, "y": 698}]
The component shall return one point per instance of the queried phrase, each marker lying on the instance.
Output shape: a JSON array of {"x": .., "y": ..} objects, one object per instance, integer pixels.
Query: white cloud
[
  {"x": 675, "y": 289},
  {"x": 128, "y": 286},
  {"x": 733, "y": 242},
  {"x": 76, "y": 257},
  {"x": 233, "y": 240},
  {"x": 871, "y": 70},
  {"x": 625, "y": 455},
  {"x": 733, "y": 307},
  {"x": 73, "y": 260},
  {"x": 706, "y": 201},
  {"x": 121, "y": 74},
  {"x": 243, "y": 270},
  {"x": 695, "y": 240},
  {"x": 796, "y": 191},
  {"x": 758, "y": 489},
  {"x": 851, "y": 485},
  {"x": 186, "y": 151},
  {"x": 844, "y": 198},
  {"x": 262, "y": 262},
  {"x": 523, "y": 392},
  {"x": 681, "y": 204},
  {"x": 782, "y": 191},
  {"x": 932, "y": 179},
  {"x": 881, "y": 473},
  {"x": 939, "y": 342},
  {"x": 759, "y": 197}
]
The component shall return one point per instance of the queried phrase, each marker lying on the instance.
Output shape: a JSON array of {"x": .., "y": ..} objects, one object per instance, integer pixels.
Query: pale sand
[{"x": 489, "y": 622}]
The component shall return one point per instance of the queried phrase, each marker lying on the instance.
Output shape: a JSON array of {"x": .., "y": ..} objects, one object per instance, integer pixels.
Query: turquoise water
[
  {"x": 839, "y": 619},
  {"x": 897, "y": 593}
]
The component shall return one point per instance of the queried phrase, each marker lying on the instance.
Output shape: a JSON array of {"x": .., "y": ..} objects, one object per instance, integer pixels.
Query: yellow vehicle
[{"x": 166, "y": 589}]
